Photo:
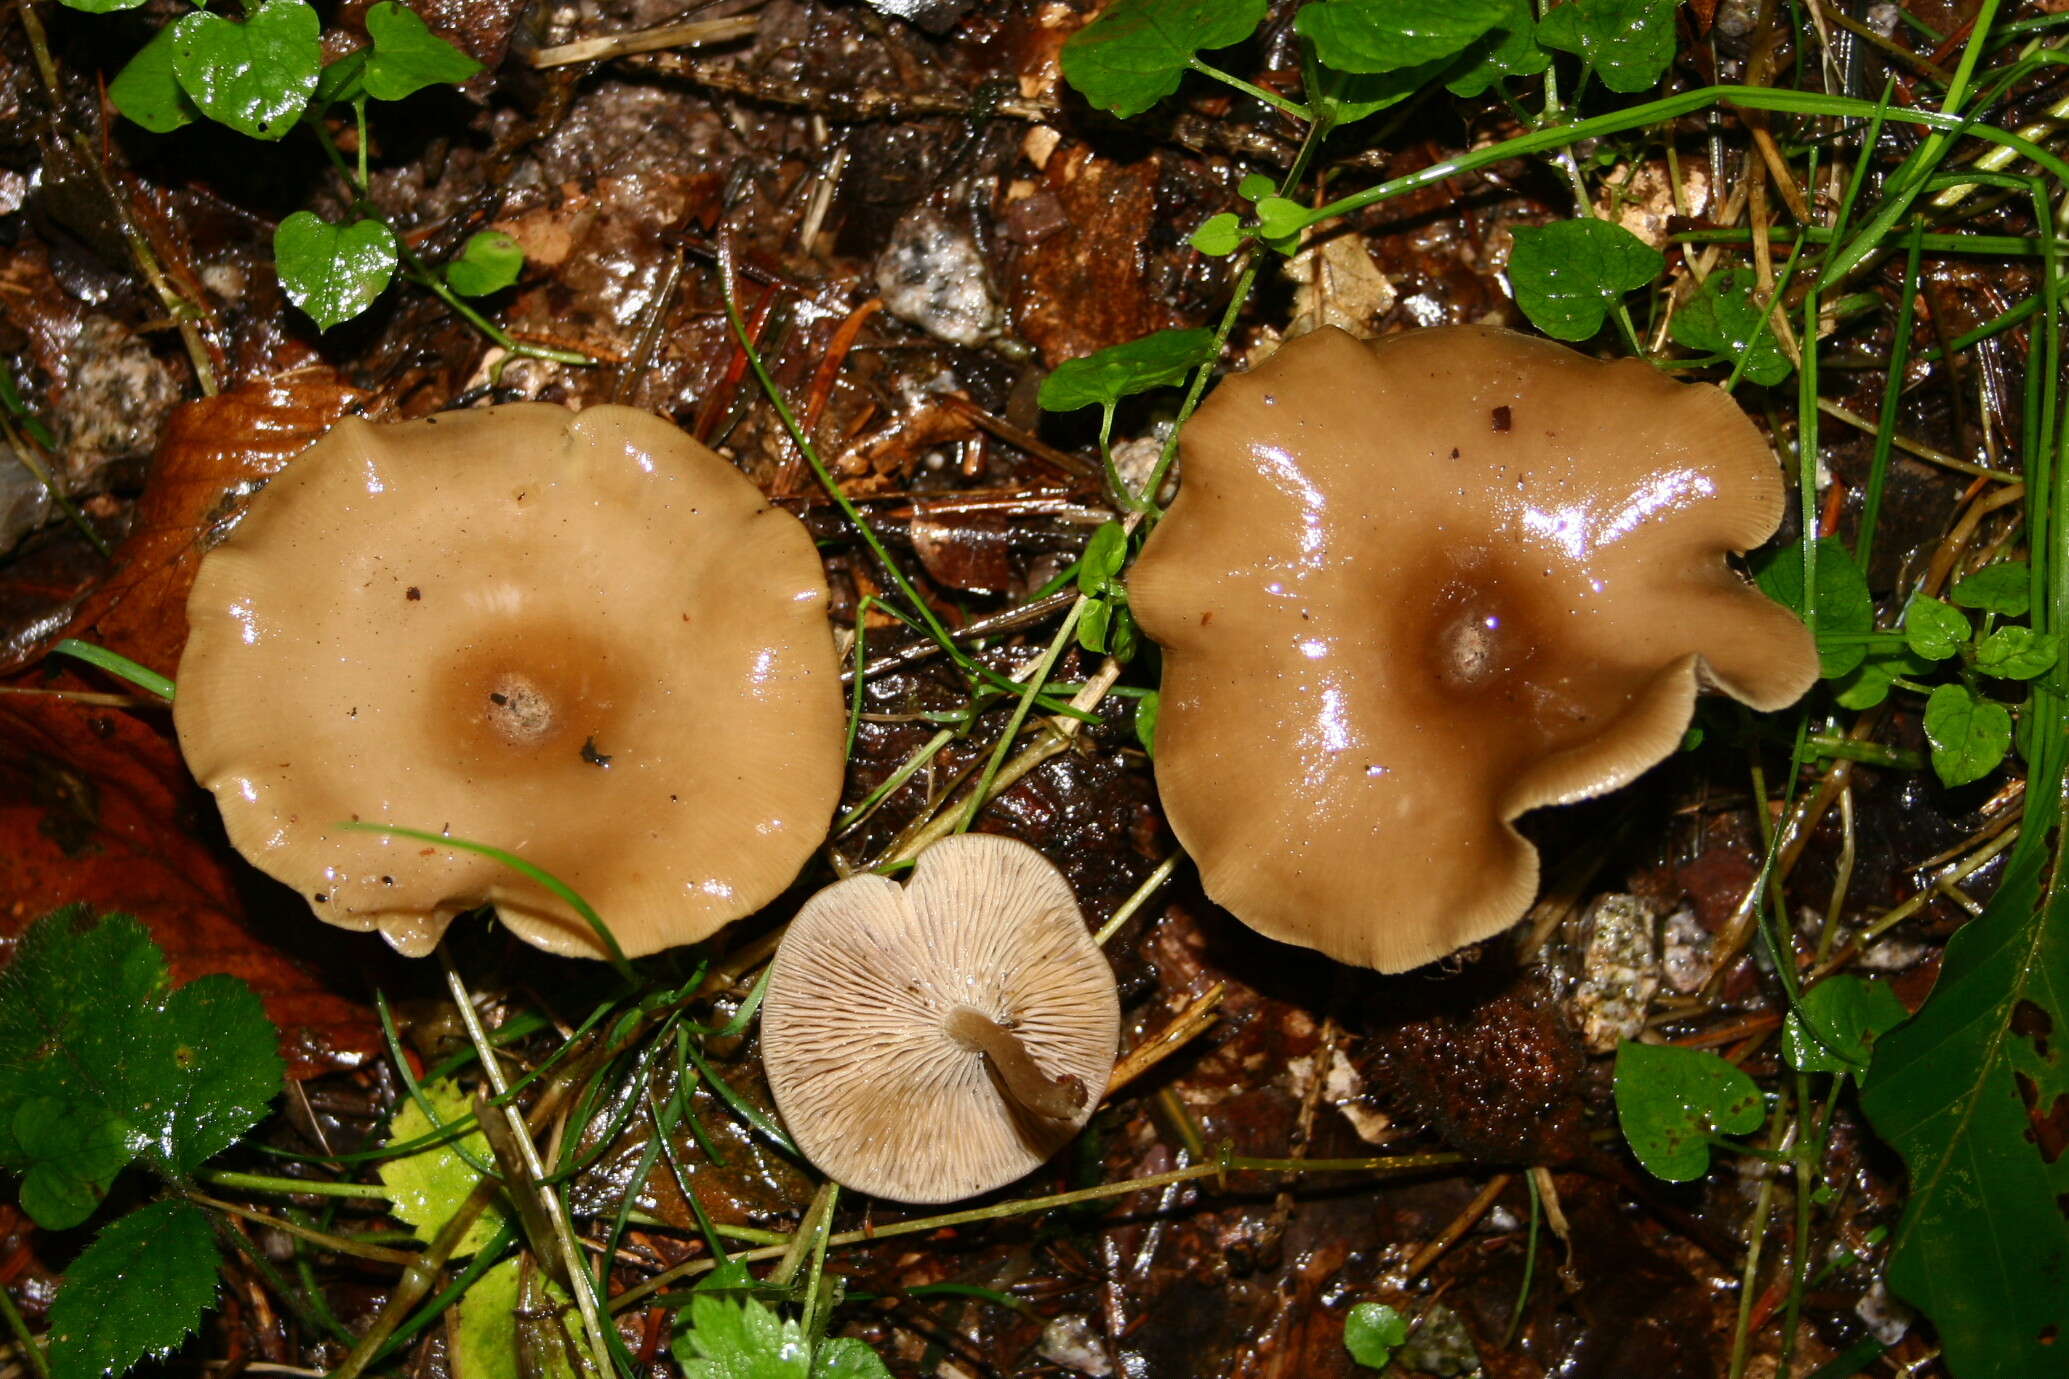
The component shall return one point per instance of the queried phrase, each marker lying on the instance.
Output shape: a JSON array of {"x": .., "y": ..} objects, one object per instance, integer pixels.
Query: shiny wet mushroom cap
[
  {"x": 581, "y": 638},
  {"x": 1414, "y": 588},
  {"x": 937, "y": 1040}
]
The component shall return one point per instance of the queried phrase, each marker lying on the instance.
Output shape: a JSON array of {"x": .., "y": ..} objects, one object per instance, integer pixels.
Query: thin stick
[
  {"x": 1169, "y": 1040},
  {"x": 607, "y": 46}
]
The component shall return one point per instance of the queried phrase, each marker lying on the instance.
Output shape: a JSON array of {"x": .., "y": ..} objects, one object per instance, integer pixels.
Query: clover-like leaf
[
  {"x": 407, "y": 56},
  {"x": 146, "y": 90},
  {"x": 1933, "y": 629},
  {"x": 2005, "y": 587},
  {"x": 489, "y": 262},
  {"x": 2018, "y": 653},
  {"x": 255, "y": 77},
  {"x": 1629, "y": 43},
  {"x": 1723, "y": 319},
  {"x": 1509, "y": 49},
  {"x": 1373, "y": 1332},
  {"x": 1844, "y": 606},
  {"x": 1158, "y": 360},
  {"x": 1568, "y": 274},
  {"x": 1969, "y": 734},
  {"x": 1836, "y": 1024},
  {"x": 135, "y": 1293},
  {"x": 333, "y": 272},
  {"x": 1670, "y": 1100},
  {"x": 1367, "y": 36},
  {"x": 1137, "y": 51}
]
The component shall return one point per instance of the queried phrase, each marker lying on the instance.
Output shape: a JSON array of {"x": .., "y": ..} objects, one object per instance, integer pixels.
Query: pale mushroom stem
[{"x": 1053, "y": 1098}]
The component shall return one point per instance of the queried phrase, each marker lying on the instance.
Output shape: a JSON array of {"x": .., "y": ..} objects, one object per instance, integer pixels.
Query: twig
[{"x": 607, "y": 46}]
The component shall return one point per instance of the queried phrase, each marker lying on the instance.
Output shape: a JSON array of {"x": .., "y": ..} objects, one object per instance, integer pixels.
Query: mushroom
[
  {"x": 584, "y": 639},
  {"x": 1413, "y": 588},
  {"x": 938, "y": 1040}
]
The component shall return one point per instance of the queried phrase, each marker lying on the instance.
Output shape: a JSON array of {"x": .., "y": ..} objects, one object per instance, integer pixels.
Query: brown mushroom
[
  {"x": 581, "y": 638},
  {"x": 1412, "y": 589},
  {"x": 938, "y": 1040}
]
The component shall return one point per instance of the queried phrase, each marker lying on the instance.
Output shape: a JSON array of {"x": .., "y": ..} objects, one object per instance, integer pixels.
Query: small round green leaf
[
  {"x": 1844, "y": 605},
  {"x": 1219, "y": 235},
  {"x": 1670, "y": 1100},
  {"x": 1969, "y": 734},
  {"x": 147, "y": 92},
  {"x": 333, "y": 272},
  {"x": 407, "y": 56},
  {"x": 489, "y": 262},
  {"x": 2018, "y": 653},
  {"x": 1256, "y": 187},
  {"x": 1837, "y": 1023},
  {"x": 1146, "y": 710},
  {"x": 1137, "y": 51},
  {"x": 1629, "y": 43},
  {"x": 1933, "y": 629},
  {"x": 2006, "y": 587},
  {"x": 1160, "y": 360},
  {"x": 1723, "y": 319},
  {"x": 1092, "y": 625},
  {"x": 1567, "y": 275},
  {"x": 255, "y": 77},
  {"x": 1373, "y": 1332},
  {"x": 1104, "y": 555},
  {"x": 1278, "y": 217},
  {"x": 100, "y": 6}
]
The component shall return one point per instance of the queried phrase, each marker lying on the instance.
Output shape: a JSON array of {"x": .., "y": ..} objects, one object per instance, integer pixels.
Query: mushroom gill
[
  {"x": 1413, "y": 588},
  {"x": 581, "y": 638}
]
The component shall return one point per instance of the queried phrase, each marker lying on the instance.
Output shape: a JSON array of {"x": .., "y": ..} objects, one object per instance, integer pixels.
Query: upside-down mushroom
[
  {"x": 940, "y": 1039},
  {"x": 1413, "y": 588},
  {"x": 581, "y": 638}
]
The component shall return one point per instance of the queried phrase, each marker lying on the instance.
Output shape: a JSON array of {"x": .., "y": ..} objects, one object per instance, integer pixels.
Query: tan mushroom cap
[
  {"x": 1412, "y": 589},
  {"x": 857, "y": 1027},
  {"x": 581, "y": 638}
]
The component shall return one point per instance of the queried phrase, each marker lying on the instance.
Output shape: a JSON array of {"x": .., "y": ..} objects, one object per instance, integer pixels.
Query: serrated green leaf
[
  {"x": 1835, "y": 1026},
  {"x": 1969, "y": 734},
  {"x": 135, "y": 1293},
  {"x": 484, "y": 1334},
  {"x": 1629, "y": 43},
  {"x": 428, "y": 1186},
  {"x": 489, "y": 262},
  {"x": 1136, "y": 53},
  {"x": 1844, "y": 607},
  {"x": 333, "y": 272},
  {"x": 1161, "y": 360},
  {"x": 1146, "y": 711},
  {"x": 1509, "y": 49},
  {"x": 1868, "y": 684},
  {"x": 1219, "y": 235},
  {"x": 1971, "y": 1092},
  {"x": 2006, "y": 587},
  {"x": 1669, "y": 1099},
  {"x": 738, "y": 1339},
  {"x": 1567, "y": 275},
  {"x": 1722, "y": 319},
  {"x": 407, "y": 56},
  {"x": 91, "y": 1033},
  {"x": 74, "y": 1153},
  {"x": 1373, "y": 1332},
  {"x": 2018, "y": 653},
  {"x": 1367, "y": 36},
  {"x": 257, "y": 76},
  {"x": 844, "y": 1357},
  {"x": 1104, "y": 555},
  {"x": 222, "y": 1067},
  {"x": 1933, "y": 629},
  {"x": 147, "y": 92}
]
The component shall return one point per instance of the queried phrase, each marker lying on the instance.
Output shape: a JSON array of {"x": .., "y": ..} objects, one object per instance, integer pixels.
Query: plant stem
[
  {"x": 298, "y": 1187},
  {"x": 31, "y": 1350},
  {"x": 1270, "y": 98}
]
